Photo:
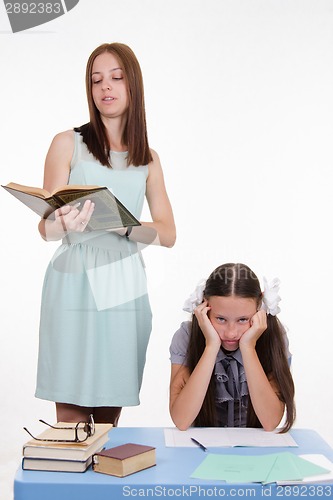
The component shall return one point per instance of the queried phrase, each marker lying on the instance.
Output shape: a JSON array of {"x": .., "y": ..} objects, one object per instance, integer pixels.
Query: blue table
[{"x": 170, "y": 477}]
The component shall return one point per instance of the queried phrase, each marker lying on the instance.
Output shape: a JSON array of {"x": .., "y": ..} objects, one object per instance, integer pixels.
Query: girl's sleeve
[{"x": 179, "y": 343}]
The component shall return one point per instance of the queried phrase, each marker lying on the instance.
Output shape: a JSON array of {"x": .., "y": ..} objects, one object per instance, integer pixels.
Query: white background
[{"x": 239, "y": 101}]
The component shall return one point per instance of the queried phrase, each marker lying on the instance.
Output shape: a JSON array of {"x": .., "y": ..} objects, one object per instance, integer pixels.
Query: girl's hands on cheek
[
  {"x": 257, "y": 328},
  {"x": 211, "y": 335}
]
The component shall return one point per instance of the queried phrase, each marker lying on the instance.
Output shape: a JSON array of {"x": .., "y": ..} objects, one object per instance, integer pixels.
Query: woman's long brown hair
[
  {"x": 135, "y": 134},
  {"x": 239, "y": 280}
]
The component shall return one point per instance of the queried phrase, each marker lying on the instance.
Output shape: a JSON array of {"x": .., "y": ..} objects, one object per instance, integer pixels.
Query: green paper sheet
[
  {"x": 289, "y": 466},
  {"x": 256, "y": 468},
  {"x": 235, "y": 468}
]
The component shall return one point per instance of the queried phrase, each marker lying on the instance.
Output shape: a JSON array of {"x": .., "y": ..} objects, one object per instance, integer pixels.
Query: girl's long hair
[
  {"x": 135, "y": 134},
  {"x": 238, "y": 280}
]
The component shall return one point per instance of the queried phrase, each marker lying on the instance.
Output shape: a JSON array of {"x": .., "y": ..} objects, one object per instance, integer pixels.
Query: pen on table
[{"x": 199, "y": 444}]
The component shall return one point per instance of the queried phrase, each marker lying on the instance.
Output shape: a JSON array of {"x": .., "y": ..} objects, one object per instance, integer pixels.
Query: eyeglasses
[{"x": 82, "y": 431}]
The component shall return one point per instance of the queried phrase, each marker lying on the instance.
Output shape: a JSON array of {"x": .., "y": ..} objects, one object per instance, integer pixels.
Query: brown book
[
  {"x": 125, "y": 459},
  {"x": 109, "y": 212}
]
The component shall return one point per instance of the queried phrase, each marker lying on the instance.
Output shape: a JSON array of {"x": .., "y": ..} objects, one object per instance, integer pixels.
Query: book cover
[
  {"x": 124, "y": 460},
  {"x": 109, "y": 212},
  {"x": 66, "y": 451}
]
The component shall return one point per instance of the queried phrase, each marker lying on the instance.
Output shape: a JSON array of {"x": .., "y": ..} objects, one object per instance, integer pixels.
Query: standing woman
[{"x": 95, "y": 314}]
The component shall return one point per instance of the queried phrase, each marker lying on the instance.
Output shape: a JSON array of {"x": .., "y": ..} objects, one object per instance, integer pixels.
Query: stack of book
[{"x": 63, "y": 457}]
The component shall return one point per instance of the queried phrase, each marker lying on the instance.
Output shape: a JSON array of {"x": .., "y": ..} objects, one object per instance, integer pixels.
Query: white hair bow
[
  {"x": 271, "y": 296},
  {"x": 195, "y": 298}
]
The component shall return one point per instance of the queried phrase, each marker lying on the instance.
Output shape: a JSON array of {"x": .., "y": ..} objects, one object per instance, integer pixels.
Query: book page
[
  {"x": 35, "y": 191},
  {"x": 109, "y": 212},
  {"x": 43, "y": 193},
  {"x": 76, "y": 188}
]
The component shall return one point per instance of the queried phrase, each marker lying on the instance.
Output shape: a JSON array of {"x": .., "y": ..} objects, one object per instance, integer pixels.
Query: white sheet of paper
[{"x": 212, "y": 437}]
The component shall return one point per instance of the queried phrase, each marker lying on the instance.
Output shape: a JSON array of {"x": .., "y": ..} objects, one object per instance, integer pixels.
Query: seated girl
[{"x": 230, "y": 363}]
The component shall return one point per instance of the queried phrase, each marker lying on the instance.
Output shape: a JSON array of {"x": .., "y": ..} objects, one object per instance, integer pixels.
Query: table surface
[{"x": 170, "y": 477}]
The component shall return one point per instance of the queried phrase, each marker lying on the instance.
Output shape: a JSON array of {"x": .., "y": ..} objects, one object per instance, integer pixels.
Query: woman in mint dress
[{"x": 95, "y": 313}]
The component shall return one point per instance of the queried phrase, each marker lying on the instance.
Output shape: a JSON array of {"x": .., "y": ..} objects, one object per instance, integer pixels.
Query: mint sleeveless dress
[{"x": 95, "y": 314}]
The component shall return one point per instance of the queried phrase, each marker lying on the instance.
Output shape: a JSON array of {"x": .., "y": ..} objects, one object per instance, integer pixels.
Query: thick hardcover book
[
  {"x": 50, "y": 465},
  {"x": 109, "y": 212},
  {"x": 125, "y": 459},
  {"x": 66, "y": 451}
]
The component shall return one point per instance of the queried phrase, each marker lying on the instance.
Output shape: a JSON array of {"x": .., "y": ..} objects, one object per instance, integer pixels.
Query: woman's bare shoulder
[
  {"x": 155, "y": 160},
  {"x": 62, "y": 146},
  {"x": 65, "y": 139}
]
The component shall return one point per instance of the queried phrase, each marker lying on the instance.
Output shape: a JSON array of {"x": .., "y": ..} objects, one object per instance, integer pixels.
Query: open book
[
  {"x": 109, "y": 212},
  {"x": 210, "y": 437}
]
